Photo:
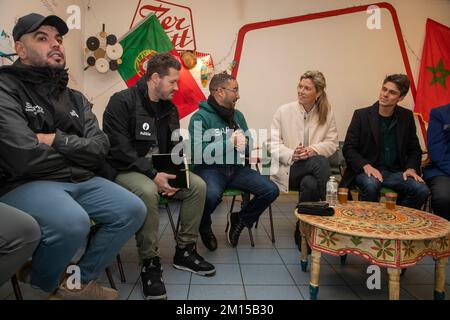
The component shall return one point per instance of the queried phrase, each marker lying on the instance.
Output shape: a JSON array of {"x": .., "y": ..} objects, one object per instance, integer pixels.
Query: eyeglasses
[{"x": 236, "y": 90}]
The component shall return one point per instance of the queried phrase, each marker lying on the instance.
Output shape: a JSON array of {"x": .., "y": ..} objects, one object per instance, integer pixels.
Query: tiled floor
[{"x": 266, "y": 272}]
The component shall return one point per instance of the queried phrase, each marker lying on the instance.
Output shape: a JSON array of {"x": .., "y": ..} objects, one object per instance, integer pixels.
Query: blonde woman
[{"x": 303, "y": 136}]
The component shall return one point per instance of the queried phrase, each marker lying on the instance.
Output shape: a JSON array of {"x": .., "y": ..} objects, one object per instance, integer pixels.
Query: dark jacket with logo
[
  {"x": 362, "y": 142},
  {"x": 37, "y": 100},
  {"x": 133, "y": 128}
]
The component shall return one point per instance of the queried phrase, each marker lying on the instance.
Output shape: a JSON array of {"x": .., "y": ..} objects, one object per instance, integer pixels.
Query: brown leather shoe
[{"x": 91, "y": 291}]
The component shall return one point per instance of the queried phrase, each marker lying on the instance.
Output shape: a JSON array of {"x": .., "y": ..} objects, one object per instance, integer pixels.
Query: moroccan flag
[
  {"x": 139, "y": 44},
  {"x": 433, "y": 89}
]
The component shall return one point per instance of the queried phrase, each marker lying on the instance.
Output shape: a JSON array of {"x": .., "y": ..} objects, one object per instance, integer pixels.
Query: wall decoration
[
  {"x": 175, "y": 19},
  {"x": 6, "y": 48},
  {"x": 103, "y": 52},
  {"x": 189, "y": 59}
]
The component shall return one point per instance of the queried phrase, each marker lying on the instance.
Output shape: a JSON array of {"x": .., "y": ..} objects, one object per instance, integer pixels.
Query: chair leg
[
  {"x": 16, "y": 288},
  {"x": 251, "y": 237},
  {"x": 169, "y": 213},
  {"x": 110, "y": 278},
  {"x": 231, "y": 210},
  {"x": 120, "y": 267},
  {"x": 232, "y": 204},
  {"x": 272, "y": 232}
]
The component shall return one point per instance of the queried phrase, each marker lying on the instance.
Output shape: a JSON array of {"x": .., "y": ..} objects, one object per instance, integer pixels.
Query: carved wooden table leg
[
  {"x": 304, "y": 254},
  {"x": 315, "y": 271},
  {"x": 439, "y": 279},
  {"x": 394, "y": 283}
]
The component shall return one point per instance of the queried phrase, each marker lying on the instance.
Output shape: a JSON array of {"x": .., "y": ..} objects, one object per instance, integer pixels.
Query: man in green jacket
[{"x": 220, "y": 143}]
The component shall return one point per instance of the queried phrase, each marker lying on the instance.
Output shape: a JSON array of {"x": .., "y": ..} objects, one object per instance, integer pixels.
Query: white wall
[{"x": 262, "y": 89}]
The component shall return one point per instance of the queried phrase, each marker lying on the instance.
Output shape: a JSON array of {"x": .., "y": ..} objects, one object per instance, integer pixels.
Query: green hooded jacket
[{"x": 210, "y": 137}]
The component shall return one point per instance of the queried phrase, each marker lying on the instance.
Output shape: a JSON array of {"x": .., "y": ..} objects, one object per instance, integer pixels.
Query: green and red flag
[
  {"x": 433, "y": 88},
  {"x": 139, "y": 44}
]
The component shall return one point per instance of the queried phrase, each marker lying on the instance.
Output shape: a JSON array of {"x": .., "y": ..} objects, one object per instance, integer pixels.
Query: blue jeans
[
  {"x": 63, "y": 211},
  {"x": 412, "y": 194},
  {"x": 220, "y": 177},
  {"x": 440, "y": 198}
]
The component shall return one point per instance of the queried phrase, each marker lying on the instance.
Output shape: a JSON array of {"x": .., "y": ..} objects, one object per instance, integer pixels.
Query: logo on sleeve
[
  {"x": 73, "y": 113},
  {"x": 33, "y": 109}
]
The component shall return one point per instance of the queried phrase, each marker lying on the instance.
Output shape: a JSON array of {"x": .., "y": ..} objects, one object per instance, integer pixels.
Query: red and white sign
[{"x": 175, "y": 19}]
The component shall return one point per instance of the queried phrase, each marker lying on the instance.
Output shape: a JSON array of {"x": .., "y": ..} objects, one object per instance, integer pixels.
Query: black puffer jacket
[
  {"x": 37, "y": 100},
  {"x": 133, "y": 127}
]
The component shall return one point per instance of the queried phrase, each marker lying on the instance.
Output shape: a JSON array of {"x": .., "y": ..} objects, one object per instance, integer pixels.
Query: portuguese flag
[
  {"x": 433, "y": 88},
  {"x": 139, "y": 44}
]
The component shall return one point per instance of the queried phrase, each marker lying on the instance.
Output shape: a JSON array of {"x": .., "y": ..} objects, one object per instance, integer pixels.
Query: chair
[
  {"x": 94, "y": 228},
  {"x": 164, "y": 201},
  {"x": 337, "y": 162}
]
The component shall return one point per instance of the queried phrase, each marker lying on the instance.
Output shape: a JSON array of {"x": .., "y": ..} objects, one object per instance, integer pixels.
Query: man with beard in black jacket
[
  {"x": 50, "y": 149},
  {"x": 140, "y": 122}
]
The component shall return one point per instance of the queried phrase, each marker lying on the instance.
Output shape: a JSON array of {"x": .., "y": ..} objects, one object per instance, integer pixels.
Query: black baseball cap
[{"x": 33, "y": 21}]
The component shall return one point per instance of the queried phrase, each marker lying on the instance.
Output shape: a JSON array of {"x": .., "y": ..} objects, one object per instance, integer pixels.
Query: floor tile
[
  {"x": 424, "y": 292},
  {"x": 379, "y": 294},
  {"x": 216, "y": 292},
  {"x": 327, "y": 275},
  {"x": 264, "y": 274},
  {"x": 259, "y": 256},
  {"x": 290, "y": 256},
  {"x": 417, "y": 275},
  {"x": 172, "y": 275},
  {"x": 285, "y": 242},
  {"x": 330, "y": 293},
  {"x": 273, "y": 293}
]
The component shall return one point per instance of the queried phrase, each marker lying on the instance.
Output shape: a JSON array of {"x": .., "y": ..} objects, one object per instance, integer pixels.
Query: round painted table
[{"x": 394, "y": 239}]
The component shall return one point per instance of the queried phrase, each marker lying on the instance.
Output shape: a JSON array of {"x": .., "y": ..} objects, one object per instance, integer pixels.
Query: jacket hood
[
  {"x": 204, "y": 105},
  {"x": 51, "y": 77}
]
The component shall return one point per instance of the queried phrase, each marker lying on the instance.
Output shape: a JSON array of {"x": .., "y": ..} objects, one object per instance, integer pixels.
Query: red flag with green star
[
  {"x": 433, "y": 89},
  {"x": 139, "y": 44}
]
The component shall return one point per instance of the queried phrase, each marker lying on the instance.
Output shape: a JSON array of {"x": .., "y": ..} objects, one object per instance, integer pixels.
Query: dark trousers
[
  {"x": 220, "y": 177},
  {"x": 310, "y": 178},
  {"x": 19, "y": 237},
  {"x": 440, "y": 195}
]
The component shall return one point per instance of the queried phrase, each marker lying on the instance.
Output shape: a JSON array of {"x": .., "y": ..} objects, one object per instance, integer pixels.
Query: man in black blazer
[{"x": 382, "y": 149}]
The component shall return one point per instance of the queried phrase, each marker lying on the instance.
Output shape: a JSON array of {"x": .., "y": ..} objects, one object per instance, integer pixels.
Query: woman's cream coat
[{"x": 287, "y": 131}]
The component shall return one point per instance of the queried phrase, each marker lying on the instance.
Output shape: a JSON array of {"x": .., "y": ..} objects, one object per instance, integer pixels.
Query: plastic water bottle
[{"x": 332, "y": 187}]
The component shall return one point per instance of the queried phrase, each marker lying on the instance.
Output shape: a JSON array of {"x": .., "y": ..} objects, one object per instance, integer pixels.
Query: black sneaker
[
  {"x": 209, "y": 239},
  {"x": 234, "y": 228},
  {"x": 188, "y": 259},
  {"x": 152, "y": 283}
]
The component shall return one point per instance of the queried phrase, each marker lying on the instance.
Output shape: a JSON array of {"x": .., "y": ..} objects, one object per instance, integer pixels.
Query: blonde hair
[{"x": 322, "y": 101}]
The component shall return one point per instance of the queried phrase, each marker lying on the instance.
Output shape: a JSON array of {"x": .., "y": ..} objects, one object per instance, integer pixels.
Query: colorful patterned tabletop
[{"x": 374, "y": 220}]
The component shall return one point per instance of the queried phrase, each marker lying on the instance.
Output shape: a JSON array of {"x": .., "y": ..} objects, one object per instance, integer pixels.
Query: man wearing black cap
[{"x": 50, "y": 150}]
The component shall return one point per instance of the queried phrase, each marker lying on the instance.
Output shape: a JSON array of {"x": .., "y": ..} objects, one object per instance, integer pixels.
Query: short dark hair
[
  {"x": 161, "y": 63},
  {"x": 219, "y": 80},
  {"x": 401, "y": 81}
]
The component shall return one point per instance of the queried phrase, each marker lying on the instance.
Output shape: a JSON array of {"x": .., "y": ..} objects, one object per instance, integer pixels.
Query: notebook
[{"x": 163, "y": 163}]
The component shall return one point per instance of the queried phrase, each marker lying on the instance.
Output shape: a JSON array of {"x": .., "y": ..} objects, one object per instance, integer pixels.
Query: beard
[{"x": 39, "y": 61}]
